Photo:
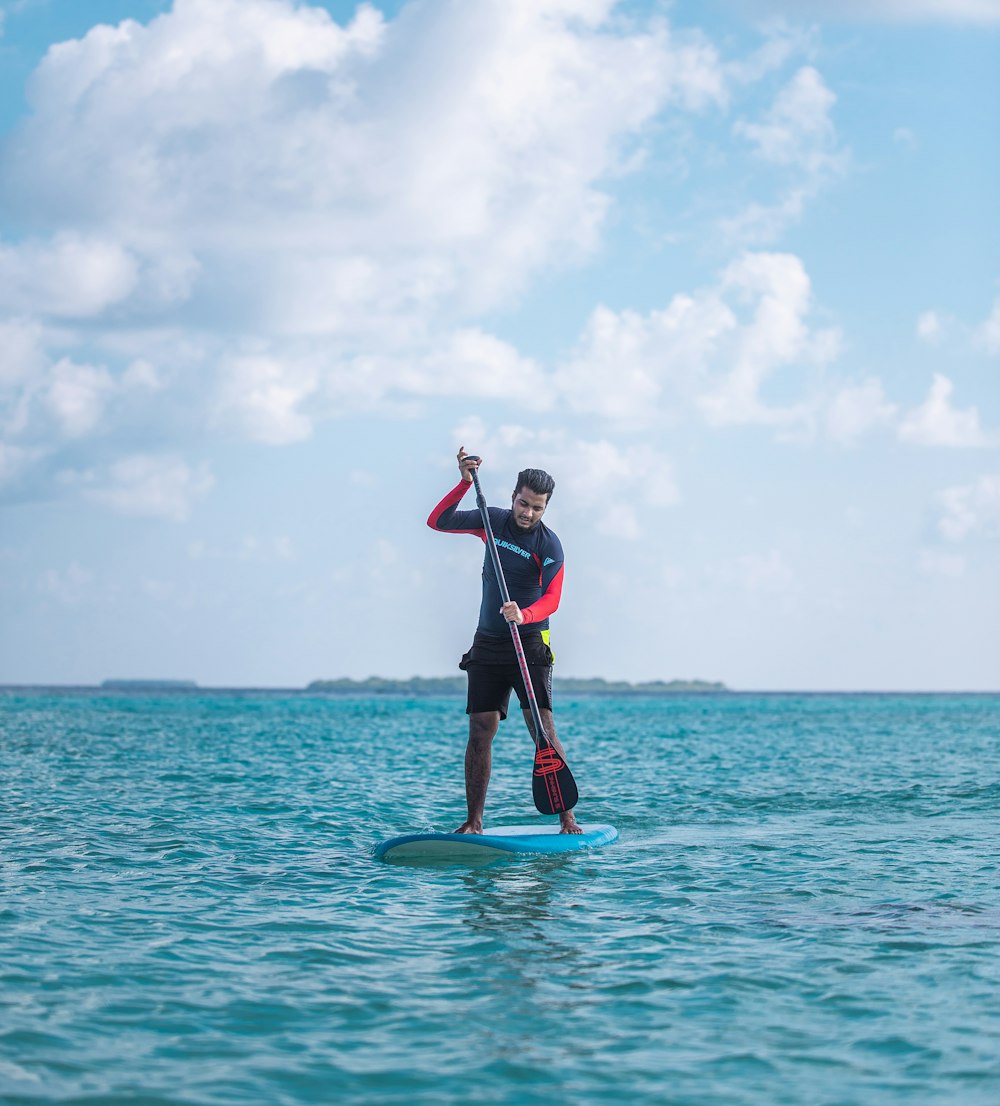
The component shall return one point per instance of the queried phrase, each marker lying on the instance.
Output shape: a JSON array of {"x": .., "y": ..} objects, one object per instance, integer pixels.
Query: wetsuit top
[{"x": 532, "y": 562}]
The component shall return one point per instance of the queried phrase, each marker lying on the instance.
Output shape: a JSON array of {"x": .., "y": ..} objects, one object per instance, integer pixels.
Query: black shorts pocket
[{"x": 537, "y": 652}]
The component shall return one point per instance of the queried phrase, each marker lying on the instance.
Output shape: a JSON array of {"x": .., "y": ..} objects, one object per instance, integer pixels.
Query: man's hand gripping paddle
[{"x": 552, "y": 785}]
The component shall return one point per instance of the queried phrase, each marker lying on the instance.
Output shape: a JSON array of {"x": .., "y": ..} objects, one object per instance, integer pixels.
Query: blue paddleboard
[{"x": 493, "y": 843}]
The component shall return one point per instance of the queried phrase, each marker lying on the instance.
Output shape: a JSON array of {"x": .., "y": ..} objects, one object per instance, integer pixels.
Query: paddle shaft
[{"x": 540, "y": 736}]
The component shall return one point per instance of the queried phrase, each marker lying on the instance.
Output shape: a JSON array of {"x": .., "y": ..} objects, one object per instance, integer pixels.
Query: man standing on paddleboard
[{"x": 531, "y": 558}]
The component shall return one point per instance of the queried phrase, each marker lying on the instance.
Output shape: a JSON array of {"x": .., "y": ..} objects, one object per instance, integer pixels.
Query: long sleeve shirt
[{"x": 532, "y": 562}]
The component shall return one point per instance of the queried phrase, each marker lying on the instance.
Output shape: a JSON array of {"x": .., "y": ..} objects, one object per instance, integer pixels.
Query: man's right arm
[{"x": 446, "y": 515}]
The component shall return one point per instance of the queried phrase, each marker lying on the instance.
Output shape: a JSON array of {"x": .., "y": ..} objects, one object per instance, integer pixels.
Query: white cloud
[
  {"x": 142, "y": 375},
  {"x": 714, "y": 348},
  {"x": 932, "y": 562},
  {"x": 971, "y": 509},
  {"x": 149, "y": 486},
  {"x": 72, "y": 585},
  {"x": 798, "y": 130},
  {"x": 320, "y": 175},
  {"x": 760, "y": 223},
  {"x": 589, "y": 475},
  {"x": 22, "y": 353},
  {"x": 70, "y": 276},
  {"x": 858, "y": 409},
  {"x": 798, "y": 135},
  {"x": 625, "y": 362},
  {"x": 975, "y": 12},
  {"x": 776, "y": 335},
  {"x": 988, "y": 335},
  {"x": 930, "y": 327},
  {"x": 265, "y": 394},
  {"x": 935, "y": 422},
  {"x": 76, "y": 396},
  {"x": 277, "y": 398},
  {"x": 310, "y": 216},
  {"x": 15, "y": 460},
  {"x": 934, "y": 328},
  {"x": 472, "y": 363}
]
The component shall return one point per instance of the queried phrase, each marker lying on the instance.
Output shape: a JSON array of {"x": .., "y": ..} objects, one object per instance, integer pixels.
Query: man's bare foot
[
  {"x": 568, "y": 823},
  {"x": 472, "y": 826}
]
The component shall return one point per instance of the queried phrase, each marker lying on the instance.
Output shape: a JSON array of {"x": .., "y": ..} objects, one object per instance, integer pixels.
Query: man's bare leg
[
  {"x": 478, "y": 765},
  {"x": 567, "y": 820}
]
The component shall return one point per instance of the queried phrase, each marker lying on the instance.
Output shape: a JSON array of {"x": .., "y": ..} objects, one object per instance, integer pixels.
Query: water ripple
[{"x": 803, "y": 907}]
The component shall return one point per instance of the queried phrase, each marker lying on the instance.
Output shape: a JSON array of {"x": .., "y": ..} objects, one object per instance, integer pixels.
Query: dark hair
[{"x": 537, "y": 481}]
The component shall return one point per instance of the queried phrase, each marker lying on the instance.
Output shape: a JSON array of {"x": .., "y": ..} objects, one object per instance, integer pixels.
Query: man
[{"x": 532, "y": 561}]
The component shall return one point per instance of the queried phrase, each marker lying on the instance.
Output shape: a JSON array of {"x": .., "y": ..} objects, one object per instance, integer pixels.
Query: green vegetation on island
[{"x": 566, "y": 685}]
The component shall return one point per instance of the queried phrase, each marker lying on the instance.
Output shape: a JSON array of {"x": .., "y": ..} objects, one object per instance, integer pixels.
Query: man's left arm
[
  {"x": 552, "y": 581},
  {"x": 548, "y": 602}
]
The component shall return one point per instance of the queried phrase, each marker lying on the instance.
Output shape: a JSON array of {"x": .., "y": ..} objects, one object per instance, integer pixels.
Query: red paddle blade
[{"x": 552, "y": 785}]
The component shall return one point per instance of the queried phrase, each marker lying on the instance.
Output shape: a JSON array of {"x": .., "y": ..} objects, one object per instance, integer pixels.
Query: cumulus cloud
[
  {"x": 586, "y": 472},
  {"x": 713, "y": 349},
  {"x": 776, "y": 334},
  {"x": 472, "y": 363},
  {"x": 798, "y": 135},
  {"x": 15, "y": 460},
  {"x": 937, "y": 423},
  {"x": 975, "y": 12},
  {"x": 76, "y": 396},
  {"x": 930, "y": 327},
  {"x": 431, "y": 163},
  {"x": 68, "y": 276},
  {"x": 264, "y": 396},
  {"x": 988, "y": 334},
  {"x": 626, "y": 362},
  {"x": 797, "y": 130},
  {"x": 935, "y": 329},
  {"x": 72, "y": 585},
  {"x": 971, "y": 509},
  {"x": 857, "y": 410},
  {"x": 313, "y": 215},
  {"x": 22, "y": 343},
  {"x": 932, "y": 562},
  {"x": 149, "y": 486},
  {"x": 47, "y": 402}
]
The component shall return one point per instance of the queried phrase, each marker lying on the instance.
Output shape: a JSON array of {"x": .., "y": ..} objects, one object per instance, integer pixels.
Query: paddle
[{"x": 552, "y": 785}]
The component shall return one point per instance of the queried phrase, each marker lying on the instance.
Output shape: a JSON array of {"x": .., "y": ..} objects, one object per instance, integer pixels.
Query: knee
[{"x": 483, "y": 728}]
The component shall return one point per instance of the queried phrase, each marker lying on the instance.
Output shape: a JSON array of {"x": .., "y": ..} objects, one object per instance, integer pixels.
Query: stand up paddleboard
[{"x": 493, "y": 843}]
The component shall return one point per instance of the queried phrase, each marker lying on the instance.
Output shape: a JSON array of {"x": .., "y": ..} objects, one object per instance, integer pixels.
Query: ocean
[{"x": 803, "y": 907}]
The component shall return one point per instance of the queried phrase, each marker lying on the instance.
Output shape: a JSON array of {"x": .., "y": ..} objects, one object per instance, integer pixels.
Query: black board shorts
[{"x": 494, "y": 673}]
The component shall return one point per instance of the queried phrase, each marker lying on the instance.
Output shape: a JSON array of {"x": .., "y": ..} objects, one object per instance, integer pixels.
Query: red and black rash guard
[{"x": 532, "y": 562}]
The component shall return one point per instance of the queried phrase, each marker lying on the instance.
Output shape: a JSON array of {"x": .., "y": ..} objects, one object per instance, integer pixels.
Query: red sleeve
[
  {"x": 445, "y": 517},
  {"x": 548, "y": 602}
]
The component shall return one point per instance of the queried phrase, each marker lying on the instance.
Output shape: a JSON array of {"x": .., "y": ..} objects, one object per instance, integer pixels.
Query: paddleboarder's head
[{"x": 534, "y": 490}]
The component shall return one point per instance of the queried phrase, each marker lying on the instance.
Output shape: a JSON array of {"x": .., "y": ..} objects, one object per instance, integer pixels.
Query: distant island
[
  {"x": 149, "y": 685},
  {"x": 567, "y": 685}
]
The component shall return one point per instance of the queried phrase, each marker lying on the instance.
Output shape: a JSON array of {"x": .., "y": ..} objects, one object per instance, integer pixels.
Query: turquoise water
[{"x": 804, "y": 906}]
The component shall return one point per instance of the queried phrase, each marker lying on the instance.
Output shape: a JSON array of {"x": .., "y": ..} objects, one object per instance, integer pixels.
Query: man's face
[{"x": 528, "y": 507}]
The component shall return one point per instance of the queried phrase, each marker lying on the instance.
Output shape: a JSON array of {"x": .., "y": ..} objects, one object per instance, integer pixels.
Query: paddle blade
[{"x": 552, "y": 785}]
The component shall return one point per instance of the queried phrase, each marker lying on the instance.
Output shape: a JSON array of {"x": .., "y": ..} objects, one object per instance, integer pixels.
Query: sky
[{"x": 728, "y": 269}]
